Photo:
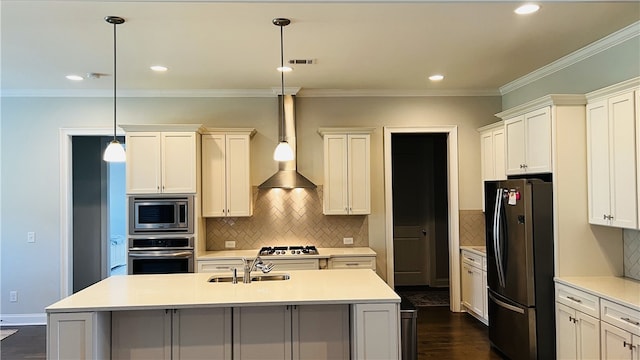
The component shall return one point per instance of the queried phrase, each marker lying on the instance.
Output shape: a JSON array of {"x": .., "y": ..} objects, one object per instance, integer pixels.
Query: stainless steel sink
[{"x": 265, "y": 277}]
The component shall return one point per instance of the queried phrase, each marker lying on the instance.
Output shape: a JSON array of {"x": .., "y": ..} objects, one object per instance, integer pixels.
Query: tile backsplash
[
  {"x": 472, "y": 228},
  {"x": 287, "y": 217},
  {"x": 632, "y": 254}
]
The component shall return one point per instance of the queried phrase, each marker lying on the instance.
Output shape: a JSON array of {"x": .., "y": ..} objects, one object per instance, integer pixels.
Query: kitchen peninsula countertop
[
  {"x": 323, "y": 253},
  {"x": 624, "y": 291},
  {"x": 176, "y": 291}
]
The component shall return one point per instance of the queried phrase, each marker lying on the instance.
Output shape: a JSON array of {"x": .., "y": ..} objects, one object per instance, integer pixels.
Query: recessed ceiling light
[
  {"x": 74, "y": 77},
  {"x": 158, "y": 68},
  {"x": 436, "y": 77},
  {"x": 284, "y": 68},
  {"x": 527, "y": 9}
]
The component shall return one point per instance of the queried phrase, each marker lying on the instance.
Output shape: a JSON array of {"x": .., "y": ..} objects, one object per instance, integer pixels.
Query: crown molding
[
  {"x": 240, "y": 93},
  {"x": 588, "y": 51},
  {"x": 614, "y": 89},
  {"x": 547, "y": 100}
]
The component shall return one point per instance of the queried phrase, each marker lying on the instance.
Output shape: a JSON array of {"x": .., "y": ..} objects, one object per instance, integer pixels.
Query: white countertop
[
  {"x": 477, "y": 249},
  {"x": 624, "y": 291},
  {"x": 175, "y": 291},
  {"x": 323, "y": 253}
]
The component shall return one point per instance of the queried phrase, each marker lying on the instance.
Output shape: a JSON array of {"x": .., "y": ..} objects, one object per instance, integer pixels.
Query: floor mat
[
  {"x": 4, "y": 333},
  {"x": 426, "y": 298}
]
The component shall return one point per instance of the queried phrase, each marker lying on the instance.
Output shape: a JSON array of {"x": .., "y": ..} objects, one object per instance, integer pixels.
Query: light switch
[{"x": 31, "y": 237}]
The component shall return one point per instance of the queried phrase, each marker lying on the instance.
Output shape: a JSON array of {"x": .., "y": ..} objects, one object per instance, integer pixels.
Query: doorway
[
  {"x": 450, "y": 133},
  {"x": 98, "y": 208},
  {"x": 420, "y": 209},
  {"x": 92, "y": 248}
]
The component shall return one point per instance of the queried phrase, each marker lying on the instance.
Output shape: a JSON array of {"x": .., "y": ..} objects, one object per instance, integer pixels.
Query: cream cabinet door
[
  {"x": 262, "y": 332},
  {"x": 598, "y": 162},
  {"x": 566, "y": 335},
  {"x": 143, "y": 165},
  {"x": 486, "y": 155},
  {"x": 201, "y": 334},
  {"x": 376, "y": 331},
  {"x": 616, "y": 343},
  {"x": 214, "y": 186},
  {"x": 179, "y": 162},
  {"x": 321, "y": 332},
  {"x": 538, "y": 141},
  {"x": 238, "y": 175},
  {"x": 588, "y": 331},
  {"x": 82, "y": 335},
  {"x": 335, "y": 191},
  {"x": 141, "y": 334},
  {"x": 622, "y": 140},
  {"x": 515, "y": 145},
  {"x": 472, "y": 291},
  {"x": 499, "y": 155},
  {"x": 359, "y": 174}
]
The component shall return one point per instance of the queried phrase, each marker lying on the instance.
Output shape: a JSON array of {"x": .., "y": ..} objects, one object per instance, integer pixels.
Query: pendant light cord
[
  {"x": 114, "y": 81},
  {"x": 282, "y": 131}
]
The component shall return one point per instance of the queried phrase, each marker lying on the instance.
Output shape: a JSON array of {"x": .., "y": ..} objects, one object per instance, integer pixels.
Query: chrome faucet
[{"x": 256, "y": 264}]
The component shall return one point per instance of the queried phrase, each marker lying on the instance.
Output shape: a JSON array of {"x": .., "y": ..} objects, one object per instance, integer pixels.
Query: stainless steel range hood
[{"x": 288, "y": 176}]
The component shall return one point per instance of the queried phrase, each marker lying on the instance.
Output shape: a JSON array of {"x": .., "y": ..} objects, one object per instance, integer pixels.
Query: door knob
[{"x": 424, "y": 232}]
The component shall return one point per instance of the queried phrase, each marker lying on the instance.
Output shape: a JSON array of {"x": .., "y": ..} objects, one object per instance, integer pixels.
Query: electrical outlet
[
  {"x": 31, "y": 237},
  {"x": 347, "y": 241},
  {"x": 230, "y": 244},
  {"x": 13, "y": 296}
]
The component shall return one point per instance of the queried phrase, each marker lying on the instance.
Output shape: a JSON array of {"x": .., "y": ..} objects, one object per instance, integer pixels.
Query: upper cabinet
[
  {"x": 226, "y": 180},
  {"x": 528, "y": 143},
  {"x": 347, "y": 171},
  {"x": 612, "y": 123},
  {"x": 492, "y": 152},
  {"x": 162, "y": 161}
]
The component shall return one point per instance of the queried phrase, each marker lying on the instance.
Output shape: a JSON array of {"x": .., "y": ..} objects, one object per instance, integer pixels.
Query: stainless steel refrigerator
[{"x": 519, "y": 235}]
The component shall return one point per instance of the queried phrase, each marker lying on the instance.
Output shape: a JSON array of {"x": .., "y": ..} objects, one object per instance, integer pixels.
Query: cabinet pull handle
[
  {"x": 351, "y": 264},
  {"x": 605, "y": 217},
  {"x": 636, "y": 323},
  {"x": 631, "y": 346},
  {"x": 574, "y": 299}
]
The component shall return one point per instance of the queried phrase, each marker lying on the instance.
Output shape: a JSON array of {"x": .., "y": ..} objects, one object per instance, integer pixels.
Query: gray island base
[{"x": 328, "y": 314}]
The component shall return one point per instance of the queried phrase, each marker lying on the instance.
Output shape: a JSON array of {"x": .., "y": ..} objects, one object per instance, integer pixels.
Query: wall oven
[
  {"x": 161, "y": 214},
  {"x": 160, "y": 255}
]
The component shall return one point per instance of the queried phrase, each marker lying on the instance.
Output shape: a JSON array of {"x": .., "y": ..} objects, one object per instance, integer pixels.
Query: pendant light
[
  {"x": 283, "y": 151},
  {"x": 115, "y": 150}
]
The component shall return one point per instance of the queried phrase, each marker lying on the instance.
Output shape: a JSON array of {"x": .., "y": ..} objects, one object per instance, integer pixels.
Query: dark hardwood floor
[
  {"x": 442, "y": 335},
  {"x": 30, "y": 342}
]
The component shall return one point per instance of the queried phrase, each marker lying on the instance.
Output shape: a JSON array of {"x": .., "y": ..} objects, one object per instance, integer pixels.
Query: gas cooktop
[{"x": 288, "y": 250}]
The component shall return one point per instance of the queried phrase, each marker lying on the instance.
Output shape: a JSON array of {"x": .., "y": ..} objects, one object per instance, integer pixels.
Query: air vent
[{"x": 302, "y": 61}]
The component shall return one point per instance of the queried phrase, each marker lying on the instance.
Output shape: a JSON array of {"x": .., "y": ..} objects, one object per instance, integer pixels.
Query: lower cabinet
[
  {"x": 577, "y": 334},
  {"x": 590, "y": 327},
  {"x": 375, "y": 331},
  {"x": 171, "y": 334},
  {"x": 83, "y": 335},
  {"x": 618, "y": 344},
  {"x": 473, "y": 283},
  {"x": 291, "y": 332},
  {"x": 219, "y": 265}
]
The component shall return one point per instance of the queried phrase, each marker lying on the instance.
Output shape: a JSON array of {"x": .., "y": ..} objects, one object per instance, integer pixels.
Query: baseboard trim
[{"x": 23, "y": 319}]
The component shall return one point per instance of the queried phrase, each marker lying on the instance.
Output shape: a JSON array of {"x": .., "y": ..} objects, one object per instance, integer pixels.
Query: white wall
[{"x": 30, "y": 161}]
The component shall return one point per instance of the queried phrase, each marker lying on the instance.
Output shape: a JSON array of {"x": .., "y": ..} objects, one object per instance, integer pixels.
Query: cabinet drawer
[
  {"x": 579, "y": 300},
  {"x": 292, "y": 264},
  {"x": 620, "y": 316},
  {"x": 472, "y": 259},
  {"x": 352, "y": 263},
  {"x": 207, "y": 266}
]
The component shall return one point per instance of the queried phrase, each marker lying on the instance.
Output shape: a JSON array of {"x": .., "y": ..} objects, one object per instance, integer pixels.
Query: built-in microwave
[{"x": 161, "y": 214}]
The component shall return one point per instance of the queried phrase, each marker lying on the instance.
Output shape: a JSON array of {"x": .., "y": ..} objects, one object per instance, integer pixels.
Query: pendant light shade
[
  {"x": 115, "y": 150},
  {"x": 283, "y": 151}
]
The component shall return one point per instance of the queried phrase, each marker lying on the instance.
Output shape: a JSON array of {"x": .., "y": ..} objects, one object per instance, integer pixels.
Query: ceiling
[{"x": 232, "y": 47}]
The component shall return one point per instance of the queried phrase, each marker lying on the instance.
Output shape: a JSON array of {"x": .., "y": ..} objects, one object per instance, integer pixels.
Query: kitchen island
[{"x": 314, "y": 314}]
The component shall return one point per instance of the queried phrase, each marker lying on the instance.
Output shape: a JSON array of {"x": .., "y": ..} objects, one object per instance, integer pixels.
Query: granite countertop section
[
  {"x": 479, "y": 250},
  {"x": 323, "y": 253},
  {"x": 624, "y": 291},
  {"x": 176, "y": 291}
]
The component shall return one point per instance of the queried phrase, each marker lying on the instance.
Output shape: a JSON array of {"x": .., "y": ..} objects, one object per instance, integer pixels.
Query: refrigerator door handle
[
  {"x": 505, "y": 305},
  {"x": 497, "y": 246}
]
